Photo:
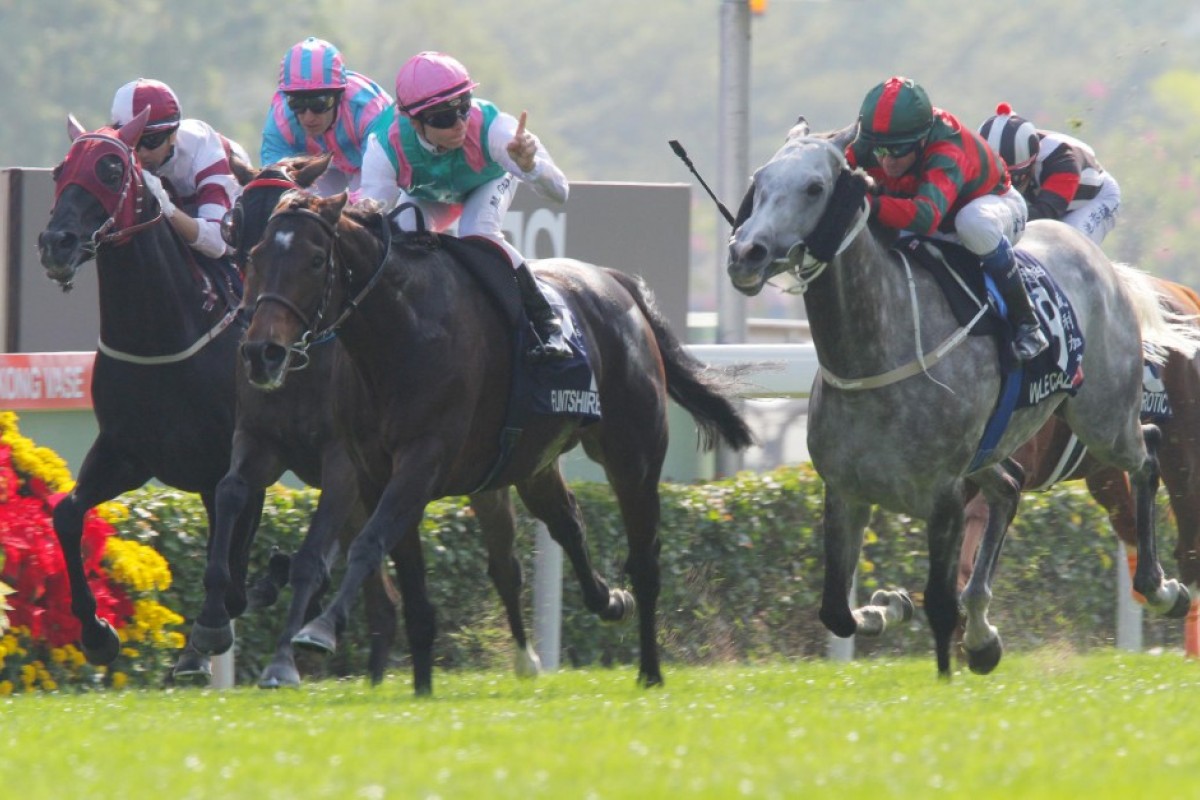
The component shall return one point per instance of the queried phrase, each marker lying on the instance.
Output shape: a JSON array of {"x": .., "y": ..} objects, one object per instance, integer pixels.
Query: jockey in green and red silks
[{"x": 935, "y": 177}]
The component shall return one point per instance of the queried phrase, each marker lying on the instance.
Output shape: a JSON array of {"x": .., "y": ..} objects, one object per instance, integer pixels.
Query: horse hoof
[
  {"x": 1183, "y": 603},
  {"x": 192, "y": 666},
  {"x": 279, "y": 676},
  {"x": 986, "y": 658},
  {"x": 649, "y": 680},
  {"x": 102, "y": 645},
  {"x": 625, "y": 605},
  {"x": 526, "y": 663},
  {"x": 896, "y": 600},
  {"x": 262, "y": 594},
  {"x": 317, "y": 635},
  {"x": 211, "y": 641}
]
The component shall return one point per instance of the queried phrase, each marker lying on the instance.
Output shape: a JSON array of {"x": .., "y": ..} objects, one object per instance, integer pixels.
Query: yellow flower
[
  {"x": 6, "y": 688},
  {"x": 119, "y": 679}
]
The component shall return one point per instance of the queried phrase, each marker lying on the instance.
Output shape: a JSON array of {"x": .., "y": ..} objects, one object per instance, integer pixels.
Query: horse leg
[
  {"x": 497, "y": 520},
  {"x": 975, "y": 520},
  {"x": 637, "y": 496},
  {"x": 844, "y": 523},
  {"x": 104, "y": 475},
  {"x": 1001, "y": 489},
  {"x": 338, "y": 509},
  {"x": 944, "y": 533},
  {"x": 379, "y": 603},
  {"x": 1170, "y": 598},
  {"x": 231, "y": 510},
  {"x": 547, "y": 497},
  {"x": 393, "y": 528}
]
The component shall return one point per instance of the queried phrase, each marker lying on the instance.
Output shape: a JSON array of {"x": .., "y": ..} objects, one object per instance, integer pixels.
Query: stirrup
[
  {"x": 551, "y": 347},
  {"x": 1029, "y": 342}
]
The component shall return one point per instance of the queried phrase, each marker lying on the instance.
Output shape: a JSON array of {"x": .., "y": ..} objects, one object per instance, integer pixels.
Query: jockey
[
  {"x": 455, "y": 157},
  {"x": 935, "y": 177},
  {"x": 185, "y": 162},
  {"x": 1057, "y": 174},
  {"x": 322, "y": 107}
]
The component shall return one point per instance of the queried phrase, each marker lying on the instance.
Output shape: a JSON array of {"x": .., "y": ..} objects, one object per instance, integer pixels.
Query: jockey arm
[
  {"x": 544, "y": 175},
  {"x": 1058, "y": 181}
]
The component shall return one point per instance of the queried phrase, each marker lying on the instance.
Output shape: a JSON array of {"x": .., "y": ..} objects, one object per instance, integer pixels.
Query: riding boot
[
  {"x": 546, "y": 324},
  {"x": 1001, "y": 264}
]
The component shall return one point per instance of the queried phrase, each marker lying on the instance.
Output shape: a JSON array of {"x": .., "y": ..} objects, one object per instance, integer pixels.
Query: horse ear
[
  {"x": 799, "y": 129},
  {"x": 132, "y": 131},
  {"x": 331, "y": 207},
  {"x": 314, "y": 169},
  {"x": 74, "y": 128}
]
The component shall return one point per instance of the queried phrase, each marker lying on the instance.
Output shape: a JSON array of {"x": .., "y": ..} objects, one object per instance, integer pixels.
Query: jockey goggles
[
  {"x": 894, "y": 150},
  {"x": 154, "y": 140},
  {"x": 316, "y": 103},
  {"x": 448, "y": 114}
]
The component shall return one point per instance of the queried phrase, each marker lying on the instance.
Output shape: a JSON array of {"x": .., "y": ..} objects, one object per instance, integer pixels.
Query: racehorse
[
  {"x": 903, "y": 396},
  {"x": 436, "y": 355},
  {"x": 294, "y": 428},
  {"x": 1053, "y": 456},
  {"x": 163, "y": 382}
]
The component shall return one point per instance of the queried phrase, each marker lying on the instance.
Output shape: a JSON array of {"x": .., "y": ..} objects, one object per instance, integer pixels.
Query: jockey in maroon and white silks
[
  {"x": 1058, "y": 175},
  {"x": 460, "y": 159},
  {"x": 186, "y": 163},
  {"x": 322, "y": 107}
]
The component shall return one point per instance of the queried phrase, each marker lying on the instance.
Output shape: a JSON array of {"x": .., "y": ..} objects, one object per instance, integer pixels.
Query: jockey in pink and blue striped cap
[{"x": 322, "y": 107}]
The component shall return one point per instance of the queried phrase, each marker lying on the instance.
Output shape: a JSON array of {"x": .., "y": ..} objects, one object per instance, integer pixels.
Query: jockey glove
[{"x": 160, "y": 193}]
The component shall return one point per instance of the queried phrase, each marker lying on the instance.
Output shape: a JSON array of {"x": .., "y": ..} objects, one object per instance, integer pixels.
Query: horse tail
[
  {"x": 702, "y": 390},
  {"x": 1163, "y": 329}
]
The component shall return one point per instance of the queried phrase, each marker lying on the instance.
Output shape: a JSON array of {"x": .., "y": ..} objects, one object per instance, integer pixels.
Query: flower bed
[{"x": 38, "y": 634}]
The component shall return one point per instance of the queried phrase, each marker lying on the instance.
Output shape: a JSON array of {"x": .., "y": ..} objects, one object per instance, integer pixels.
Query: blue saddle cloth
[
  {"x": 567, "y": 386},
  {"x": 968, "y": 289},
  {"x": 1156, "y": 407}
]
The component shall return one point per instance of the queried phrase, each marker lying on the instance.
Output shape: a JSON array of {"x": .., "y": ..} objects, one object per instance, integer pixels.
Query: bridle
[
  {"x": 314, "y": 333},
  {"x": 108, "y": 232}
]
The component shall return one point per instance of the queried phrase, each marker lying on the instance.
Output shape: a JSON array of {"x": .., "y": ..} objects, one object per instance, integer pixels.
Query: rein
[
  {"x": 313, "y": 334},
  {"x": 806, "y": 261}
]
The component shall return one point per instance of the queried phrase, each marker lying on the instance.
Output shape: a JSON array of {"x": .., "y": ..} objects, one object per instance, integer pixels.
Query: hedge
[{"x": 742, "y": 575}]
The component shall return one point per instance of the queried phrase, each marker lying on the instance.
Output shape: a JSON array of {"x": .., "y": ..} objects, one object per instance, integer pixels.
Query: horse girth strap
[{"x": 920, "y": 364}]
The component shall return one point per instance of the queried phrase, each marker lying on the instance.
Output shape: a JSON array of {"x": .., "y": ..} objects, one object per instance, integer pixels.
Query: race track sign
[{"x": 46, "y": 381}]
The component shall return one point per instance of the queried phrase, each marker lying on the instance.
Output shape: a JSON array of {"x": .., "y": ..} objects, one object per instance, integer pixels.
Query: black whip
[{"x": 683, "y": 156}]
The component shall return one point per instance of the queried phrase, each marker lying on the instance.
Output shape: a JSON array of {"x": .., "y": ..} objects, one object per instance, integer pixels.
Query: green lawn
[{"x": 1049, "y": 724}]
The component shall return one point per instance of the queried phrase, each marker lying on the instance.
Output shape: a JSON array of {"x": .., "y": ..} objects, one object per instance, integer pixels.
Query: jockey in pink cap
[
  {"x": 454, "y": 156},
  {"x": 322, "y": 107}
]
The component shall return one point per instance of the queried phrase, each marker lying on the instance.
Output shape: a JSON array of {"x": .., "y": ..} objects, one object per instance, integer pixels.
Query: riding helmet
[
  {"x": 311, "y": 66},
  {"x": 429, "y": 79},
  {"x": 896, "y": 111},
  {"x": 1014, "y": 138},
  {"x": 131, "y": 98}
]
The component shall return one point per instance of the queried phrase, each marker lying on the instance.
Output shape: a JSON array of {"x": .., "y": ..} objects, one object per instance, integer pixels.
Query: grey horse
[{"x": 902, "y": 396}]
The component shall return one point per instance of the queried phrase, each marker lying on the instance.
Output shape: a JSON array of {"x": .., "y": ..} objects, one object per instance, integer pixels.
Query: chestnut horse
[{"x": 1179, "y": 464}]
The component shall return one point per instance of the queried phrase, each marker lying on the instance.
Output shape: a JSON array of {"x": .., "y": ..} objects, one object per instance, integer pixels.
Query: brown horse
[
  {"x": 436, "y": 355},
  {"x": 1044, "y": 455}
]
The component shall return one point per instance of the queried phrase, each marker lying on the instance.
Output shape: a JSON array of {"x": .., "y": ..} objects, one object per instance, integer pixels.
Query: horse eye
[{"x": 814, "y": 189}]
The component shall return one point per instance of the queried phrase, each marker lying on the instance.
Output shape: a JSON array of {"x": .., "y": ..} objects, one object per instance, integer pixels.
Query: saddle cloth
[{"x": 967, "y": 288}]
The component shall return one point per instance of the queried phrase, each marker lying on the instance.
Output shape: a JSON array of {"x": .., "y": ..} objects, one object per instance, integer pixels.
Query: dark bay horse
[
  {"x": 435, "y": 355},
  {"x": 902, "y": 398},
  {"x": 163, "y": 383},
  {"x": 1052, "y": 456},
  {"x": 294, "y": 427}
]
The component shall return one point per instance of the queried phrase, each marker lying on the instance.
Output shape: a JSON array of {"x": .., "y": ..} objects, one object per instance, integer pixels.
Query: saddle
[
  {"x": 976, "y": 302},
  {"x": 563, "y": 387},
  {"x": 968, "y": 290}
]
